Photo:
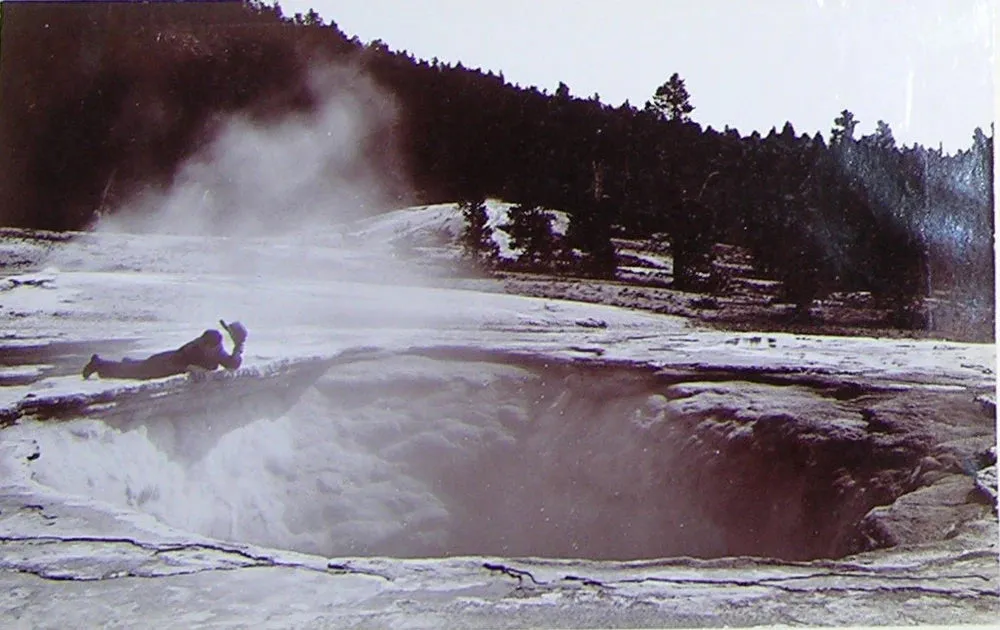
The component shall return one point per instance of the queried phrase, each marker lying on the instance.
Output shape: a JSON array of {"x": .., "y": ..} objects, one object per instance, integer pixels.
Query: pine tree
[
  {"x": 477, "y": 241},
  {"x": 844, "y": 129},
  {"x": 672, "y": 101},
  {"x": 530, "y": 230},
  {"x": 883, "y": 136},
  {"x": 692, "y": 233},
  {"x": 590, "y": 233}
]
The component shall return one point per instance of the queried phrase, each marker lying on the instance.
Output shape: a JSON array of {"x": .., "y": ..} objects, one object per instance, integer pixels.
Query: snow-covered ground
[
  {"x": 317, "y": 294},
  {"x": 359, "y": 489},
  {"x": 428, "y": 224}
]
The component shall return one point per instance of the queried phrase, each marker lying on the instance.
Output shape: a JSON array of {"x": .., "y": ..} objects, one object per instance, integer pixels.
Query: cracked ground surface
[{"x": 131, "y": 571}]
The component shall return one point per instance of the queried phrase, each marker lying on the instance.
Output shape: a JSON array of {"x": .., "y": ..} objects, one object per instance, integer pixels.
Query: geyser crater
[{"x": 440, "y": 453}]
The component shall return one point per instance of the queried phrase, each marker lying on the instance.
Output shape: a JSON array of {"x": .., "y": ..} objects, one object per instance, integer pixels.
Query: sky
[{"x": 926, "y": 67}]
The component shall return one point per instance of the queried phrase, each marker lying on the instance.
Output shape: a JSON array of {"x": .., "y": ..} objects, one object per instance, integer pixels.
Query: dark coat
[{"x": 205, "y": 352}]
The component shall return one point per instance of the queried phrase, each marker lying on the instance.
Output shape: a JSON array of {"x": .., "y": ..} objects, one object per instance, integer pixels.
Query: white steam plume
[
  {"x": 266, "y": 203},
  {"x": 303, "y": 172}
]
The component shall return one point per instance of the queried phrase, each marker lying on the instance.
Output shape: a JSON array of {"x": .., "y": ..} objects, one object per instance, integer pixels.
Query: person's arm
[
  {"x": 238, "y": 335},
  {"x": 232, "y": 361}
]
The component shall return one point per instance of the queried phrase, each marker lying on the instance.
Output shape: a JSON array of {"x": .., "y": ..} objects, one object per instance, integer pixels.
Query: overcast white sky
[{"x": 924, "y": 66}]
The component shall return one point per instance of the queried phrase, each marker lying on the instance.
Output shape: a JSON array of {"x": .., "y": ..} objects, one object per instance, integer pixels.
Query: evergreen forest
[{"x": 101, "y": 100}]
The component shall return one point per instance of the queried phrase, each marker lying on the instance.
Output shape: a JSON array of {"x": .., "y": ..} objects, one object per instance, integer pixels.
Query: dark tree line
[{"x": 103, "y": 99}]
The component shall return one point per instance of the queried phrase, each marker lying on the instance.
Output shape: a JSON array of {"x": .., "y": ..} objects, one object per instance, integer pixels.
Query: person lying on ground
[{"x": 202, "y": 354}]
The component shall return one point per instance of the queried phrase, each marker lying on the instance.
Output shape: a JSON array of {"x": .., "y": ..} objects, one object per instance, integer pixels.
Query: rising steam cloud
[
  {"x": 265, "y": 203},
  {"x": 305, "y": 171}
]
